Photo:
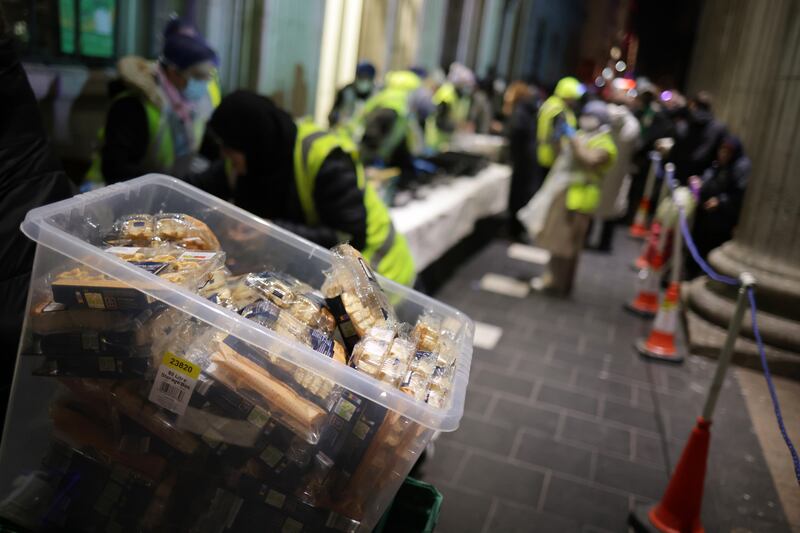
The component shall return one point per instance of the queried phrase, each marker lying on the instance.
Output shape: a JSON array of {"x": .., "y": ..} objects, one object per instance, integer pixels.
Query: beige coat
[{"x": 625, "y": 131}]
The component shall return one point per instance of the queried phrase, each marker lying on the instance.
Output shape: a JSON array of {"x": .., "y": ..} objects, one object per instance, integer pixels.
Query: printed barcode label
[
  {"x": 174, "y": 383},
  {"x": 172, "y": 391}
]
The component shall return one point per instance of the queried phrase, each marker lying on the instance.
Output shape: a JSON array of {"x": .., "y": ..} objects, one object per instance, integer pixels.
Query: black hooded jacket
[
  {"x": 255, "y": 126},
  {"x": 30, "y": 176},
  {"x": 696, "y": 142}
]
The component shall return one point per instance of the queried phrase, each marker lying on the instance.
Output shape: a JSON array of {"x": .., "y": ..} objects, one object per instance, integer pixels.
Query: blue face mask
[
  {"x": 363, "y": 86},
  {"x": 195, "y": 89}
]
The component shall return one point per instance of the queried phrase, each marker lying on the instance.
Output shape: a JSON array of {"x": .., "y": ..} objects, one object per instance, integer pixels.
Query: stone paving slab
[{"x": 566, "y": 428}]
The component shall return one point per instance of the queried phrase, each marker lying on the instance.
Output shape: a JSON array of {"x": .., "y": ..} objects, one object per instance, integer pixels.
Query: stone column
[{"x": 748, "y": 55}]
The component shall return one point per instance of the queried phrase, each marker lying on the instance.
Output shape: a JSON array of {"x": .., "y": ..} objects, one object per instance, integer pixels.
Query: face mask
[
  {"x": 588, "y": 123},
  {"x": 195, "y": 89},
  {"x": 363, "y": 86}
]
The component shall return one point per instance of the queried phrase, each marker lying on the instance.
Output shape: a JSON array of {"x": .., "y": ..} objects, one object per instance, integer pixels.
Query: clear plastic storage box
[{"x": 141, "y": 403}]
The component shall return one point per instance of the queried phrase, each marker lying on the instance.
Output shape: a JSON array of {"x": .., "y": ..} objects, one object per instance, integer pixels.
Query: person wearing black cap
[
  {"x": 351, "y": 98},
  {"x": 157, "y": 118}
]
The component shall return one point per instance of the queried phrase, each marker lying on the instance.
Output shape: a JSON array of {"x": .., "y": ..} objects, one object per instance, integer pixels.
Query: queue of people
[
  {"x": 589, "y": 172},
  {"x": 573, "y": 178}
]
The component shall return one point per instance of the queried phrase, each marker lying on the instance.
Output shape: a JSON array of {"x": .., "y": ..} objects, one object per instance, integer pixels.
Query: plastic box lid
[{"x": 73, "y": 227}]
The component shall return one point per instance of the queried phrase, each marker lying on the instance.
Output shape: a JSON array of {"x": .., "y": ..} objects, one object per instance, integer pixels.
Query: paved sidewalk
[{"x": 566, "y": 427}]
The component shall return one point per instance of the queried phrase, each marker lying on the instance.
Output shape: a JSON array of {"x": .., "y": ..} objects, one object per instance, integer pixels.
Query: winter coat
[
  {"x": 697, "y": 139},
  {"x": 625, "y": 132},
  {"x": 30, "y": 176}
]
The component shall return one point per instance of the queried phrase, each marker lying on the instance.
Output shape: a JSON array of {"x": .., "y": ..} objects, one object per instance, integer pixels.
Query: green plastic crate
[{"x": 415, "y": 509}]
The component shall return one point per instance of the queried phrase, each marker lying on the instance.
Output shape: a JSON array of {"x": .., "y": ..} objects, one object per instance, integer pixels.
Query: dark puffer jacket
[{"x": 30, "y": 176}]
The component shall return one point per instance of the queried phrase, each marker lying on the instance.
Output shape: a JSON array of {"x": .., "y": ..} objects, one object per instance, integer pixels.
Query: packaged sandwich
[
  {"x": 129, "y": 399},
  {"x": 103, "y": 366},
  {"x": 82, "y": 287},
  {"x": 129, "y": 337},
  {"x": 52, "y": 317},
  {"x": 84, "y": 493}
]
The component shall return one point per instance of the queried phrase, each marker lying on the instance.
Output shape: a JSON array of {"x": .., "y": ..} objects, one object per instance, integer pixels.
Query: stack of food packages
[{"x": 167, "y": 423}]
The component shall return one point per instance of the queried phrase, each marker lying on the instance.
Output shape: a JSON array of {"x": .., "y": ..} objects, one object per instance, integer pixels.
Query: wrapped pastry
[
  {"x": 146, "y": 230},
  {"x": 241, "y": 374},
  {"x": 415, "y": 384},
  {"x": 436, "y": 398},
  {"x": 424, "y": 362},
  {"x": 271, "y": 288},
  {"x": 185, "y": 231},
  {"x": 448, "y": 350},
  {"x": 426, "y": 332},
  {"x": 354, "y": 296},
  {"x": 295, "y": 297},
  {"x": 270, "y": 315},
  {"x": 241, "y": 293},
  {"x": 135, "y": 229},
  {"x": 370, "y": 352},
  {"x": 216, "y": 284},
  {"x": 394, "y": 367},
  {"x": 311, "y": 309}
]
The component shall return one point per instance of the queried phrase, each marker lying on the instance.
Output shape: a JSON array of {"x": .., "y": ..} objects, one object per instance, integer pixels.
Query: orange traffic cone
[
  {"x": 679, "y": 508},
  {"x": 660, "y": 344},
  {"x": 650, "y": 248},
  {"x": 638, "y": 229},
  {"x": 645, "y": 304}
]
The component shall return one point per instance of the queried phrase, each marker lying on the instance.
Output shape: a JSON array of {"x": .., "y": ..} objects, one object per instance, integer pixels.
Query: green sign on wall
[{"x": 96, "y": 27}]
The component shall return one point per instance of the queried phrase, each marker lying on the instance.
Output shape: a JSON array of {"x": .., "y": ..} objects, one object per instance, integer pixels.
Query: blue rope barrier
[
  {"x": 772, "y": 392},
  {"x": 711, "y": 273}
]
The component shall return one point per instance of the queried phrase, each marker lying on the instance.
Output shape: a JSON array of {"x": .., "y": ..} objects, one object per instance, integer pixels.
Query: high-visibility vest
[
  {"x": 395, "y": 99},
  {"x": 551, "y": 108},
  {"x": 584, "y": 196},
  {"x": 385, "y": 249},
  {"x": 160, "y": 155},
  {"x": 458, "y": 109}
]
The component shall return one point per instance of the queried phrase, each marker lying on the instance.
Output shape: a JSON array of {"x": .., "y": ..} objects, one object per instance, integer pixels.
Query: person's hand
[{"x": 711, "y": 204}]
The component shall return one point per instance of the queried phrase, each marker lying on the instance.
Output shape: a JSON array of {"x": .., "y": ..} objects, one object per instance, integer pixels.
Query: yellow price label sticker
[{"x": 181, "y": 365}]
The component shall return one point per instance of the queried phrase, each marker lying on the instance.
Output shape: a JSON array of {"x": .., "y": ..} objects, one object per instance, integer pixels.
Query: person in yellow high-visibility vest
[
  {"x": 581, "y": 166},
  {"x": 390, "y": 131},
  {"x": 556, "y": 114},
  {"x": 452, "y": 101},
  {"x": 305, "y": 179},
  {"x": 157, "y": 118}
]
